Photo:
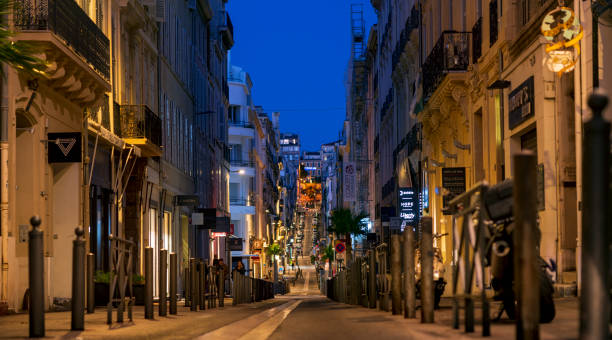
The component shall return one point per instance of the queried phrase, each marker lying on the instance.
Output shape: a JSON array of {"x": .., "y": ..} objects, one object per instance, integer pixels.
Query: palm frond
[{"x": 17, "y": 54}]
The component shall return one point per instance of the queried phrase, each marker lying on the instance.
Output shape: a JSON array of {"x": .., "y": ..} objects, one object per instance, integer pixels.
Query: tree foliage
[
  {"x": 17, "y": 54},
  {"x": 274, "y": 249},
  {"x": 345, "y": 223}
]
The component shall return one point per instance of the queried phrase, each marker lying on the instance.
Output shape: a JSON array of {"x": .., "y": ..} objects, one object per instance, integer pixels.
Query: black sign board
[
  {"x": 187, "y": 200},
  {"x": 64, "y": 147},
  {"x": 521, "y": 103},
  {"x": 234, "y": 243},
  {"x": 204, "y": 218},
  {"x": 408, "y": 205},
  {"x": 453, "y": 180}
]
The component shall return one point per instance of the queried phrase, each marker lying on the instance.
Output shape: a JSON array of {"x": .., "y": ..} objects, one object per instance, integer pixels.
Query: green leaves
[
  {"x": 17, "y": 54},
  {"x": 344, "y": 222},
  {"x": 274, "y": 249},
  {"x": 328, "y": 253}
]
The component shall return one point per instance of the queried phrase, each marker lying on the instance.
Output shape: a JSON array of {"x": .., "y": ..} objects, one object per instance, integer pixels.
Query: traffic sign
[{"x": 340, "y": 247}]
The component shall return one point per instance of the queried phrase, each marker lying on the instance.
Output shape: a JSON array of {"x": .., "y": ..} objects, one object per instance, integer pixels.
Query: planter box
[
  {"x": 101, "y": 293},
  {"x": 139, "y": 294}
]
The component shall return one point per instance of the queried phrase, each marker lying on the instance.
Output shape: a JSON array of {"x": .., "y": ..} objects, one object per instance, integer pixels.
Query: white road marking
[
  {"x": 238, "y": 328},
  {"x": 266, "y": 329}
]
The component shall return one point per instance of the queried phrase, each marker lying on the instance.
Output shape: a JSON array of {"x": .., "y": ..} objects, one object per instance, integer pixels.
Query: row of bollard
[
  {"x": 204, "y": 286},
  {"x": 364, "y": 281},
  {"x": 594, "y": 295},
  {"x": 247, "y": 289}
]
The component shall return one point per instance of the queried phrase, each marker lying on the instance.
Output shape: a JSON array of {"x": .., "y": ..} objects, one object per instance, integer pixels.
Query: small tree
[
  {"x": 328, "y": 255},
  {"x": 343, "y": 222},
  {"x": 274, "y": 250}
]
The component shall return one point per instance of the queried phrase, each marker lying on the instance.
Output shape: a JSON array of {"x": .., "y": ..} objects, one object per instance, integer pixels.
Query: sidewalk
[{"x": 185, "y": 325}]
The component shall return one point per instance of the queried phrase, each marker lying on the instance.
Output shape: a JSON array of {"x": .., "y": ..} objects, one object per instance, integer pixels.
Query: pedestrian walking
[{"x": 240, "y": 268}]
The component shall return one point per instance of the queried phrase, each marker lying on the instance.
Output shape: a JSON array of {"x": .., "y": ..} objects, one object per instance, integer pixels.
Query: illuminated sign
[{"x": 408, "y": 205}]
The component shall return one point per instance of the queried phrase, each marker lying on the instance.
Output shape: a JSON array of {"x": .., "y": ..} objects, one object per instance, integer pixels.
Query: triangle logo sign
[{"x": 65, "y": 145}]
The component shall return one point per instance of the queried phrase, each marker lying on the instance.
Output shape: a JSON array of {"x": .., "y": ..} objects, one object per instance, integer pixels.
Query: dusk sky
[{"x": 296, "y": 53}]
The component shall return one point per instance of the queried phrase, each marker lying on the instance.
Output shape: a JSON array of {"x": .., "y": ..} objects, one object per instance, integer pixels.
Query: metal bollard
[
  {"x": 148, "y": 283},
  {"x": 202, "y": 284},
  {"x": 372, "y": 280},
  {"x": 409, "y": 284},
  {"x": 427, "y": 288},
  {"x": 77, "y": 322},
  {"x": 195, "y": 279},
  {"x": 91, "y": 294},
  {"x": 236, "y": 291},
  {"x": 173, "y": 282},
  {"x": 221, "y": 290},
  {"x": 526, "y": 276},
  {"x": 187, "y": 286},
  {"x": 396, "y": 274},
  {"x": 163, "y": 280},
  {"x": 594, "y": 300},
  {"x": 36, "y": 279}
]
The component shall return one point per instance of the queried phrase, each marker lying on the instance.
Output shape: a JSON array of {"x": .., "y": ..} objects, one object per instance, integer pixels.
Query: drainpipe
[{"x": 4, "y": 188}]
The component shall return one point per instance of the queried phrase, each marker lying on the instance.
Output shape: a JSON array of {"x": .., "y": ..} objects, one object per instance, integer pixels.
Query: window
[
  {"x": 528, "y": 9},
  {"x": 492, "y": 22}
]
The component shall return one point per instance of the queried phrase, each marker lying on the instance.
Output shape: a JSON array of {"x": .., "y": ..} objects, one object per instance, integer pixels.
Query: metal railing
[
  {"x": 67, "y": 20},
  {"x": 244, "y": 124},
  {"x": 241, "y": 201},
  {"x": 138, "y": 121},
  {"x": 450, "y": 54},
  {"x": 242, "y": 163}
]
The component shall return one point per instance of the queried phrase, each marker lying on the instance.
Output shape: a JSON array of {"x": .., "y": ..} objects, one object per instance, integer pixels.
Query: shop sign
[
  {"x": 408, "y": 205},
  {"x": 257, "y": 245},
  {"x": 186, "y": 200},
  {"x": 349, "y": 182},
  {"x": 235, "y": 244},
  {"x": 521, "y": 103},
  {"x": 453, "y": 180},
  {"x": 64, "y": 147}
]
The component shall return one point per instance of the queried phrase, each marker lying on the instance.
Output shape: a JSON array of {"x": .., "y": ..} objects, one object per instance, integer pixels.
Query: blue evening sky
[{"x": 296, "y": 53}]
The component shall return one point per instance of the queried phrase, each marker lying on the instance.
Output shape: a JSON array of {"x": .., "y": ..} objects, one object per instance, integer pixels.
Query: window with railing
[
  {"x": 138, "y": 121},
  {"x": 451, "y": 53},
  {"x": 70, "y": 23}
]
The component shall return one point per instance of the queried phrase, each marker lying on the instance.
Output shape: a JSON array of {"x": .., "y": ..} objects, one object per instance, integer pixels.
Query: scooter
[{"x": 500, "y": 254}]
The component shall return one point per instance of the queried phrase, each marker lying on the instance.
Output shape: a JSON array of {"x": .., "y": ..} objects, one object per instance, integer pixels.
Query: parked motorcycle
[
  {"x": 500, "y": 254},
  {"x": 438, "y": 273}
]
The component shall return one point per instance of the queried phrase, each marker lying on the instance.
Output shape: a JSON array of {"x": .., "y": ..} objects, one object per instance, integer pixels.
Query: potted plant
[
  {"x": 138, "y": 288},
  {"x": 101, "y": 282}
]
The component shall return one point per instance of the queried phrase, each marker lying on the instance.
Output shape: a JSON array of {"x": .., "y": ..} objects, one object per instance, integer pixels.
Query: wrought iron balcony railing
[
  {"x": 450, "y": 54},
  {"x": 71, "y": 24},
  {"x": 240, "y": 124},
  {"x": 242, "y": 163},
  {"x": 138, "y": 121}
]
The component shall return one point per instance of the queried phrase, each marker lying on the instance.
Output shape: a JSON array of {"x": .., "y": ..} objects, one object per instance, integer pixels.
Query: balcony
[
  {"x": 242, "y": 124},
  {"x": 71, "y": 24},
  {"x": 240, "y": 163},
  {"x": 451, "y": 54},
  {"x": 242, "y": 205},
  {"x": 143, "y": 128},
  {"x": 227, "y": 32}
]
